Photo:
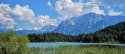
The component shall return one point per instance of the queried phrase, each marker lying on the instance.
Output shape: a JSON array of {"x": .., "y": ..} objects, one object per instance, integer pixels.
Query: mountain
[
  {"x": 48, "y": 28},
  {"x": 19, "y": 32},
  {"x": 87, "y": 23},
  {"x": 25, "y": 31},
  {"x": 43, "y": 30},
  {"x": 2, "y": 30},
  {"x": 111, "y": 34}
]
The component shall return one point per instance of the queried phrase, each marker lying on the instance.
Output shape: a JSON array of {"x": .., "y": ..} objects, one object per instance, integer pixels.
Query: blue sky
[{"x": 37, "y": 14}]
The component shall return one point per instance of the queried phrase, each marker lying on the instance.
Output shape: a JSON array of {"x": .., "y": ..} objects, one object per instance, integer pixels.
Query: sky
[{"x": 38, "y": 14}]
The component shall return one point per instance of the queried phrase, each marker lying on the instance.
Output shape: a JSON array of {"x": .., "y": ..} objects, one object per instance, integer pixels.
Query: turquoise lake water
[{"x": 57, "y": 44}]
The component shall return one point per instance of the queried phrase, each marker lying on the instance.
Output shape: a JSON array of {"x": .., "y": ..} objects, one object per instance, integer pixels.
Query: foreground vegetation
[
  {"x": 92, "y": 49},
  {"x": 10, "y": 43}
]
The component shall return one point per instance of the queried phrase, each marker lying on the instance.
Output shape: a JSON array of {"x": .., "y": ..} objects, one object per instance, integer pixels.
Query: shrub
[{"x": 10, "y": 43}]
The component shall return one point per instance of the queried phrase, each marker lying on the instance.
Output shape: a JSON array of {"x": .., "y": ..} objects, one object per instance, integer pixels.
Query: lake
[{"x": 57, "y": 44}]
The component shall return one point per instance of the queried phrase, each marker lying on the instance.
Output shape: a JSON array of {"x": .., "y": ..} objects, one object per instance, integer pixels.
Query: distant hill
[
  {"x": 113, "y": 33},
  {"x": 41, "y": 31},
  {"x": 87, "y": 23},
  {"x": 19, "y": 32}
]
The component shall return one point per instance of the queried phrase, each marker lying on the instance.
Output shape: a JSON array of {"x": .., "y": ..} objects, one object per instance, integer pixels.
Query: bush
[{"x": 10, "y": 43}]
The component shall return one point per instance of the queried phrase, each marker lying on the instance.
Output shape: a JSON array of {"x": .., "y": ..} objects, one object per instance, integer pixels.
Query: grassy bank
[{"x": 91, "y": 49}]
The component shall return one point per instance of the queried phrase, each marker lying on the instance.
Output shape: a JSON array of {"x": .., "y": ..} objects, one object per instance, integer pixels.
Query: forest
[{"x": 112, "y": 34}]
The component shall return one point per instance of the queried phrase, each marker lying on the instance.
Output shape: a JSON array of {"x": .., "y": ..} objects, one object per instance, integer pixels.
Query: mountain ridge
[{"x": 87, "y": 23}]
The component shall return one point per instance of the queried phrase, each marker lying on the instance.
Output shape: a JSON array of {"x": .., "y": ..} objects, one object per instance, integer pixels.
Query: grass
[{"x": 91, "y": 49}]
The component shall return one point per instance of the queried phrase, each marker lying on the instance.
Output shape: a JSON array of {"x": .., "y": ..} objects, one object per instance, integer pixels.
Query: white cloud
[
  {"x": 113, "y": 3},
  {"x": 19, "y": 29},
  {"x": 9, "y": 15},
  {"x": 92, "y": 7},
  {"x": 113, "y": 13},
  {"x": 6, "y": 21},
  {"x": 68, "y": 8},
  {"x": 49, "y": 4},
  {"x": 23, "y": 13},
  {"x": 5, "y": 18},
  {"x": 36, "y": 28},
  {"x": 44, "y": 21}
]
